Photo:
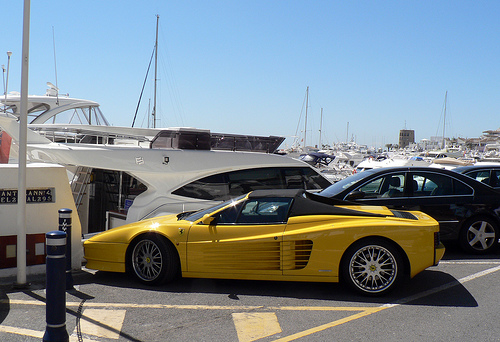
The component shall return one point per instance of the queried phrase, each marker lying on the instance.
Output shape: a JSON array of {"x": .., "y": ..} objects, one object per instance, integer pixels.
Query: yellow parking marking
[
  {"x": 35, "y": 333},
  {"x": 251, "y": 326},
  {"x": 112, "y": 322},
  {"x": 363, "y": 311},
  {"x": 132, "y": 305},
  {"x": 366, "y": 312},
  {"x": 21, "y": 331}
]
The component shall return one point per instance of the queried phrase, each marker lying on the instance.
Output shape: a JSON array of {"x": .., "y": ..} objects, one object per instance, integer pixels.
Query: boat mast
[
  {"x": 320, "y": 127},
  {"x": 156, "y": 69},
  {"x": 444, "y": 117},
  {"x": 347, "y": 134},
  {"x": 305, "y": 124}
]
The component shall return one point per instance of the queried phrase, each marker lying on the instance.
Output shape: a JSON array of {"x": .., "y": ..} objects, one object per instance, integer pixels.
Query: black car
[
  {"x": 488, "y": 173},
  {"x": 466, "y": 209}
]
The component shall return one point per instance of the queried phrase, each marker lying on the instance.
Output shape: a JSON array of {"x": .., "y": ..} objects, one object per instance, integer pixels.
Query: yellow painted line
[
  {"x": 193, "y": 307},
  {"x": 109, "y": 318},
  {"x": 252, "y": 326},
  {"x": 364, "y": 311},
  {"x": 320, "y": 308},
  {"x": 330, "y": 325},
  {"x": 21, "y": 331},
  {"x": 34, "y": 333},
  {"x": 131, "y": 305},
  {"x": 388, "y": 305}
]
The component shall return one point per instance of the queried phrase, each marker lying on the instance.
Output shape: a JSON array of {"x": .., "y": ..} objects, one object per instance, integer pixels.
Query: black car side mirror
[{"x": 355, "y": 195}]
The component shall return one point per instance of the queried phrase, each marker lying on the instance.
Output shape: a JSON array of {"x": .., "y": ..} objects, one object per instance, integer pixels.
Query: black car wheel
[
  {"x": 372, "y": 267},
  {"x": 153, "y": 260},
  {"x": 479, "y": 235}
]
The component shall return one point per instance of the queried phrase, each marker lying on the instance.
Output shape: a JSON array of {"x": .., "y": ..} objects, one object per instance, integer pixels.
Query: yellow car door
[{"x": 244, "y": 239}]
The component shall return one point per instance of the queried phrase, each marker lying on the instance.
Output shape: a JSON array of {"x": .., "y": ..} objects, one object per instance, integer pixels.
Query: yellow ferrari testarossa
[{"x": 289, "y": 235}]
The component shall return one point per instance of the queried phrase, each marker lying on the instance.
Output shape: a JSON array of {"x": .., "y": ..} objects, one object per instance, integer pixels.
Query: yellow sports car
[{"x": 275, "y": 235}]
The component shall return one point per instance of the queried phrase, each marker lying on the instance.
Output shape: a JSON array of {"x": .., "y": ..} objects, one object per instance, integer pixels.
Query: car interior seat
[{"x": 394, "y": 183}]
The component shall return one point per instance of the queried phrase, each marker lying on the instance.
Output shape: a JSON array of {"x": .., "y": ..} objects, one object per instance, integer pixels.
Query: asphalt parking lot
[{"x": 458, "y": 299}]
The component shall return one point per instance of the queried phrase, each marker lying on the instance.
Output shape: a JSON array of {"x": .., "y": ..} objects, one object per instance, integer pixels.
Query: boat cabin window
[{"x": 231, "y": 184}]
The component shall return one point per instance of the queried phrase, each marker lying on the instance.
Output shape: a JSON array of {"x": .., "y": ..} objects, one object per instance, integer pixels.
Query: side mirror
[
  {"x": 355, "y": 195},
  {"x": 207, "y": 219}
]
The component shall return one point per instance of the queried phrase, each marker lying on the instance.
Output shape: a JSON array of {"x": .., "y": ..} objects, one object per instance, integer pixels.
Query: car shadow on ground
[{"x": 431, "y": 288}]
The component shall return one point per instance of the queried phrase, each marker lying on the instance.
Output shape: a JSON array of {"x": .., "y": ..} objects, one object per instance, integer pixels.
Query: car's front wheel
[
  {"x": 372, "y": 267},
  {"x": 479, "y": 235},
  {"x": 153, "y": 260}
]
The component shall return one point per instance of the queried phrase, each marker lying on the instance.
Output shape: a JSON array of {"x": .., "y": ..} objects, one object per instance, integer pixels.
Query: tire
[
  {"x": 372, "y": 267},
  {"x": 479, "y": 235},
  {"x": 153, "y": 260}
]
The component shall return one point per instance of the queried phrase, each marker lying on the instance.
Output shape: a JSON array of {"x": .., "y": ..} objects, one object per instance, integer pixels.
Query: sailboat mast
[
  {"x": 156, "y": 70},
  {"x": 444, "y": 117},
  {"x": 305, "y": 124},
  {"x": 320, "y": 127},
  {"x": 347, "y": 134}
]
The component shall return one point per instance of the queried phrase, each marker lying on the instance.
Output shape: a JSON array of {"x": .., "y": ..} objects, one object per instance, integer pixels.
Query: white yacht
[
  {"x": 122, "y": 174},
  {"x": 391, "y": 161}
]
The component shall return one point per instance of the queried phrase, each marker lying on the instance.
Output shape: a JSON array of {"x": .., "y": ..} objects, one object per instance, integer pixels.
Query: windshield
[
  {"x": 343, "y": 184},
  {"x": 307, "y": 158},
  {"x": 200, "y": 213}
]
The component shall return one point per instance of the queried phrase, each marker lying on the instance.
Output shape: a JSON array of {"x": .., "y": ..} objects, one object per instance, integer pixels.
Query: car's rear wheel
[
  {"x": 479, "y": 235},
  {"x": 372, "y": 267},
  {"x": 154, "y": 261}
]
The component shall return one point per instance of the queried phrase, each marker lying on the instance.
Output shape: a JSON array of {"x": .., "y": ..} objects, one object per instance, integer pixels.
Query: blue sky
[{"x": 243, "y": 66}]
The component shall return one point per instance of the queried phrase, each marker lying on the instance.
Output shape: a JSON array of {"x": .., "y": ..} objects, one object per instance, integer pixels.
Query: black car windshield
[
  {"x": 343, "y": 184},
  {"x": 200, "y": 213}
]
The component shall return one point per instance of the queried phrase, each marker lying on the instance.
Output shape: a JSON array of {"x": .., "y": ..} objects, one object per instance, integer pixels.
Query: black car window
[
  {"x": 208, "y": 188},
  {"x": 434, "y": 184},
  {"x": 230, "y": 184},
  {"x": 480, "y": 175},
  {"x": 391, "y": 185},
  {"x": 422, "y": 185},
  {"x": 312, "y": 180},
  {"x": 256, "y": 211},
  {"x": 244, "y": 181},
  {"x": 495, "y": 178},
  {"x": 460, "y": 188},
  {"x": 229, "y": 215},
  {"x": 264, "y": 210},
  {"x": 193, "y": 216}
]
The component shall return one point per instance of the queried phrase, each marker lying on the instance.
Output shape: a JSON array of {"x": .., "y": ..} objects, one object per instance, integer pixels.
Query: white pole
[
  {"x": 156, "y": 68},
  {"x": 9, "y": 53},
  {"x": 320, "y": 128},
  {"x": 305, "y": 123},
  {"x": 21, "y": 188}
]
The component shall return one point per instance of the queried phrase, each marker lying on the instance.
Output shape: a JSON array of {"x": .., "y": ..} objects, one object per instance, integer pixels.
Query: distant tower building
[{"x": 406, "y": 137}]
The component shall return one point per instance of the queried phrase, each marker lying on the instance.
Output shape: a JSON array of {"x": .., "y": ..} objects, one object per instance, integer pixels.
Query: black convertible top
[{"x": 306, "y": 203}]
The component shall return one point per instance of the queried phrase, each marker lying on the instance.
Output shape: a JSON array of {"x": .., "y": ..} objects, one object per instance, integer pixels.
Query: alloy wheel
[
  {"x": 147, "y": 260},
  {"x": 373, "y": 269}
]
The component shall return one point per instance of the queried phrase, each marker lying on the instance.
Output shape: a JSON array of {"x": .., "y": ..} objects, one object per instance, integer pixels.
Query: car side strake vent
[
  {"x": 296, "y": 254},
  {"x": 404, "y": 215},
  {"x": 249, "y": 256}
]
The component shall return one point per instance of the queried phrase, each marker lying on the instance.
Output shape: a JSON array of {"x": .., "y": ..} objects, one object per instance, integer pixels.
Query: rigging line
[
  {"x": 177, "y": 110},
  {"x": 443, "y": 111},
  {"x": 144, "y": 84},
  {"x": 300, "y": 118},
  {"x": 55, "y": 64},
  {"x": 166, "y": 66}
]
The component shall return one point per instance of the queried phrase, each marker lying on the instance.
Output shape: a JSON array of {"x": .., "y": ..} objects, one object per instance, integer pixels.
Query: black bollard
[
  {"x": 55, "y": 308},
  {"x": 65, "y": 226}
]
